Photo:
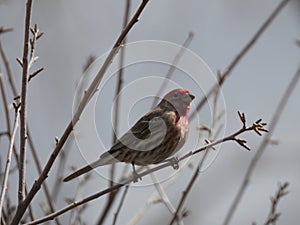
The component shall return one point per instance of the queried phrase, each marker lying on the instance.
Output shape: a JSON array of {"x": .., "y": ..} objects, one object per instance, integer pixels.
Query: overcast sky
[{"x": 75, "y": 29}]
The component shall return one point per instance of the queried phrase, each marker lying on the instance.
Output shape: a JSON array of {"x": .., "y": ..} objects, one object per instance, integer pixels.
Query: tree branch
[
  {"x": 23, "y": 110},
  {"x": 274, "y": 215},
  {"x": 161, "y": 192},
  {"x": 9, "y": 154},
  {"x": 5, "y": 30},
  {"x": 8, "y": 70},
  {"x": 188, "y": 188},
  {"x": 120, "y": 205}
]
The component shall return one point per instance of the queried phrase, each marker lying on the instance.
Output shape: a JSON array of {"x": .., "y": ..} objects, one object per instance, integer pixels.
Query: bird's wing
[{"x": 147, "y": 133}]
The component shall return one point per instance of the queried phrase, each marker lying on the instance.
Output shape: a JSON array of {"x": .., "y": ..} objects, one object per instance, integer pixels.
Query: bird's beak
[{"x": 191, "y": 96}]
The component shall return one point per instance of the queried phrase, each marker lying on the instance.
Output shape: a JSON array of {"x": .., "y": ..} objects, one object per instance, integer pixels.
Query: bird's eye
[{"x": 175, "y": 95}]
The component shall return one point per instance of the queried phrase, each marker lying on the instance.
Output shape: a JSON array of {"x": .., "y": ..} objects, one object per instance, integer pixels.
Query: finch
[{"x": 154, "y": 138}]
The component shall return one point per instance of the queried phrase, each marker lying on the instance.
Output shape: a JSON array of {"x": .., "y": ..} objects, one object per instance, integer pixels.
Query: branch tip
[
  {"x": 242, "y": 118},
  {"x": 19, "y": 61},
  {"x": 5, "y": 30}
]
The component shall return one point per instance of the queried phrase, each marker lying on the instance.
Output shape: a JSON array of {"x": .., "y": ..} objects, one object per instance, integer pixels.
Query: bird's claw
[
  {"x": 136, "y": 177},
  {"x": 175, "y": 163}
]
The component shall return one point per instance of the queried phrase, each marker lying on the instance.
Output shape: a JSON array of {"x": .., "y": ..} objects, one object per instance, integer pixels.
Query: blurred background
[{"x": 75, "y": 29}]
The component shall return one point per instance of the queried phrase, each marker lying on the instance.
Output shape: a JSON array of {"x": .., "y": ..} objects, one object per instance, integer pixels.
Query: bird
[{"x": 155, "y": 137}]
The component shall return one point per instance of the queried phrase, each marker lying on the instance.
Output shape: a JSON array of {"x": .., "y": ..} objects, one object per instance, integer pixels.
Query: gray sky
[{"x": 75, "y": 29}]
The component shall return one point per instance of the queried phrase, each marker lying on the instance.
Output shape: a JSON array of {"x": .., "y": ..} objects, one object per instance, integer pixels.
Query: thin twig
[
  {"x": 232, "y": 137},
  {"x": 176, "y": 215},
  {"x": 36, "y": 159},
  {"x": 121, "y": 74},
  {"x": 14, "y": 90},
  {"x": 35, "y": 73},
  {"x": 97, "y": 195},
  {"x": 297, "y": 42},
  {"x": 156, "y": 197},
  {"x": 7, "y": 117},
  {"x": 163, "y": 196},
  {"x": 50, "y": 200},
  {"x": 23, "y": 111},
  {"x": 4, "y": 133},
  {"x": 262, "y": 147},
  {"x": 78, "y": 203},
  {"x": 120, "y": 205},
  {"x": 172, "y": 67},
  {"x": 61, "y": 166},
  {"x": 140, "y": 212},
  {"x": 75, "y": 216},
  {"x": 8, "y": 70},
  {"x": 5, "y": 30},
  {"x": 5, "y": 104},
  {"x": 274, "y": 215},
  {"x": 112, "y": 195},
  {"x": 87, "y": 96},
  {"x": 8, "y": 159},
  {"x": 240, "y": 56},
  {"x": 142, "y": 174}
]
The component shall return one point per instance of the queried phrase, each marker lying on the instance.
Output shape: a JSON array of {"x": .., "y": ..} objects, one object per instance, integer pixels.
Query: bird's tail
[{"x": 105, "y": 159}]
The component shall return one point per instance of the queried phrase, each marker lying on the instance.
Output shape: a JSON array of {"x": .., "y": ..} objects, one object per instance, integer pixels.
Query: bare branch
[
  {"x": 158, "y": 196},
  {"x": 89, "y": 61},
  {"x": 78, "y": 203},
  {"x": 5, "y": 104},
  {"x": 163, "y": 196},
  {"x": 274, "y": 215},
  {"x": 75, "y": 216},
  {"x": 23, "y": 110},
  {"x": 20, "y": 61},
  {"x": 35, "y": 73},
  {"x": 16, "y": 105},
  {"x": 232, "y": 137},
  {"x": 297, "y": 42},
  {"x": 120, "y": 205},
  {"x": 8, "y": 159},
  {"x": 4, "y": 133},
  {"x": 8, "y": 70},
  {"x": 5, "y": 30},
  {"x": 61, "y": 166},
  {"x": 189, "y": 188}
]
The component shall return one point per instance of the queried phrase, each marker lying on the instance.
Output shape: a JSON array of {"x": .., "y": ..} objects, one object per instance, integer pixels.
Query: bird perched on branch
[{"x": 154, "y": 138}]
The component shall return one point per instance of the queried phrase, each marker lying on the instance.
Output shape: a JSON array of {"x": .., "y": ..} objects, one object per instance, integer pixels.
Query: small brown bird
[{"x": 155, "y": 137}]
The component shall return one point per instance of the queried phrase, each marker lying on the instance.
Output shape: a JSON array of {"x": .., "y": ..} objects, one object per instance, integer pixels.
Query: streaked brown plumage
[{"x": 155, "y": 137}]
